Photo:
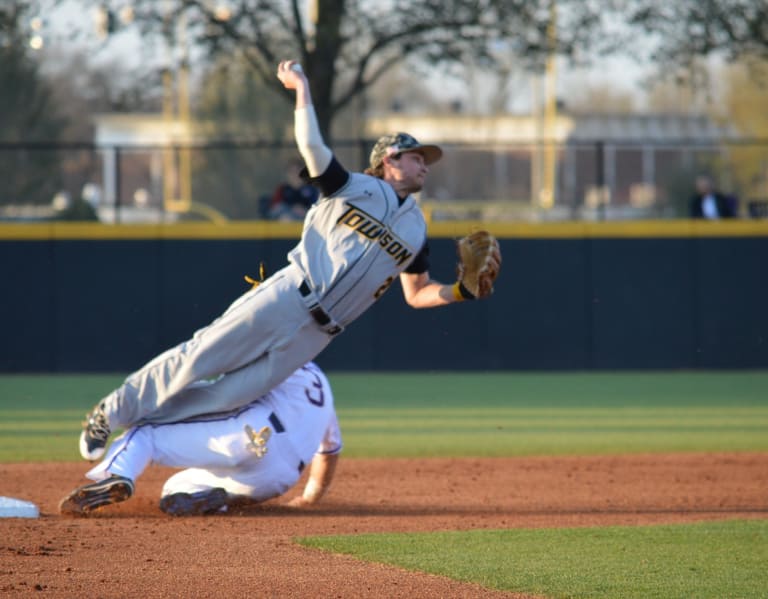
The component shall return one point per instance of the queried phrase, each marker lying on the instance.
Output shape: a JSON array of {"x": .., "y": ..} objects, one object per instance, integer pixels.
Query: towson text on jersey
[{"x": 367, "y": 226}]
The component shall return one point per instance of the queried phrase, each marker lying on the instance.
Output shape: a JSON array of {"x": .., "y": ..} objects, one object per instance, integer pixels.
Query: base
[{"x": 17, "y": 508}]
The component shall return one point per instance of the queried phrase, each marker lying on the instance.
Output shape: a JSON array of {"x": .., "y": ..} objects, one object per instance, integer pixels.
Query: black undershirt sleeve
[
  {"x": 420, "y": 263},
  {"x": 331, "y": 180}
]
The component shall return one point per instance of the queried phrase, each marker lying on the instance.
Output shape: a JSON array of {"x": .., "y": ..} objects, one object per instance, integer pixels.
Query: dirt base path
[{"x": 134, "y": 550}]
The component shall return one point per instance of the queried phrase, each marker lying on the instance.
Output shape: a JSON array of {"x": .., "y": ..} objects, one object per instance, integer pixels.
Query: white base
[{"x": 17, "y": 508}]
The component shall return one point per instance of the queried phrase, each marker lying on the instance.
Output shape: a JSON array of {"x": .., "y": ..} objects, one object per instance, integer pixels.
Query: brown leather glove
[{"x": 479, "y": 264}]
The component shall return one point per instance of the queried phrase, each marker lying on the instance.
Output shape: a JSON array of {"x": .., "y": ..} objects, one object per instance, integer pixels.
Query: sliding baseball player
[{"x": 256, "y": 453}]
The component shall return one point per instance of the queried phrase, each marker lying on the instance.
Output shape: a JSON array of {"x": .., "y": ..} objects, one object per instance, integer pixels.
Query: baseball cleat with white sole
[
  {"x": 96, "y": 431},
  {"x": 93, "y": 496}
]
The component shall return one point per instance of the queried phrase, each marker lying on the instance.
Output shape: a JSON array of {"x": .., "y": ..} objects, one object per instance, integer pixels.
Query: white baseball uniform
[
  {"x": 356, "y": 240},
  {"x": 217, "y": 451}
]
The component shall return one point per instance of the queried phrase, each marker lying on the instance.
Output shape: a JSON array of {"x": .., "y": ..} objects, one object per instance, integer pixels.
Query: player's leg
[
  {"x": 218, "y": 442},
  {"x": 192, "y": 492},
  {"x": 201, "y": 491},
  {"x": 93, "y": 496},
  {"x": 236, "y": 338},
  {"x": 258, "y": 321},
  {"x": 245, "y": 456},
  {"x": 114, "y": 476},
  {"x": 246, "y": 384}
]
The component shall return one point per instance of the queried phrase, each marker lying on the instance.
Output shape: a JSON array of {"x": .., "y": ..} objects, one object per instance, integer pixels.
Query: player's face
[{"x": 408, "y": 172}]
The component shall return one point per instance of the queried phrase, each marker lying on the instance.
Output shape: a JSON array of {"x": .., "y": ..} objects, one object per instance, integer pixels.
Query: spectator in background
[
  {"x": 293, "y": 197},
  {"x": 74, "y": 210},
  {"x": 709, "y": 203}
]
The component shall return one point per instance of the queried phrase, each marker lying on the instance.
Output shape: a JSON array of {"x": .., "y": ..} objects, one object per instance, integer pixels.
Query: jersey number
[
  {"x": 380, "y": 291},
  {"x": 318, "y": 398}
]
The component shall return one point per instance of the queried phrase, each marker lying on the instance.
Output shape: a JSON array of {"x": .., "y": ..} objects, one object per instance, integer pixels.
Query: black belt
[
  {"x": 321, "y": 316},
  {"x": 276, "y": 423},
  {"x": 280, "y": 428}
]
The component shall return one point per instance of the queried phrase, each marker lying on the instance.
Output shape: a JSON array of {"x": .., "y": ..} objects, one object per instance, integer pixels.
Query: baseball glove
[{"x": 479, "y": 264}]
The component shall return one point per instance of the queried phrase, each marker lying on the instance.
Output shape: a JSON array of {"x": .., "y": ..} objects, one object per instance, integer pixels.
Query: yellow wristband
[{"x": 456, "y": 289}]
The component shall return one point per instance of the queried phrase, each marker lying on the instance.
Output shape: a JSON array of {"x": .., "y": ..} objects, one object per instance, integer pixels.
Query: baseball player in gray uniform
[
  {"x": 256, "y": 453},
  {"x": 364, "y": 232}
]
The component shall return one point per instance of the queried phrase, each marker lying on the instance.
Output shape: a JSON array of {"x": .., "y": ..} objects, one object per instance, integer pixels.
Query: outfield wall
[{"x": 572, "y": 296}]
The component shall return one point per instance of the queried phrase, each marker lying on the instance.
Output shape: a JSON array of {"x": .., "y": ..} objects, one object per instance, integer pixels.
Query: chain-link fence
[{"x": 219, "y": 181}]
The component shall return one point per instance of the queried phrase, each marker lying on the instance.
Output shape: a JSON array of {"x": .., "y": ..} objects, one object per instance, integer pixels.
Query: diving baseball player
[
  {"x": 364, "y": 232},
  {"x": 256, "y": 452}
]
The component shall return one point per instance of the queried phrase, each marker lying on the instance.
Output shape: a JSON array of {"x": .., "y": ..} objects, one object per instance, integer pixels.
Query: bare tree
[
  {"x": 687, "y": 30},
  {"x": 29, "y": 116},
  {"x": 346, "y": 46}
]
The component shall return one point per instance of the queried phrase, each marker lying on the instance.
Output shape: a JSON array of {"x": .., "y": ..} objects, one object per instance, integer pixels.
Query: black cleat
[
  {"x": 93, "y": 439},
  {"x": 87, "y": 498},
  {"x": 194, "y": 504}
]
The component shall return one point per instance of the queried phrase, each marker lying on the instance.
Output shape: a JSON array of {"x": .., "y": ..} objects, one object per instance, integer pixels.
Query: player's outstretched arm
[
  {"x": 422, "y": 292},
  {"x": 309, "y": 140},
  {"x": 321, "y": 473},
  {"x": 478, "y": 268}
]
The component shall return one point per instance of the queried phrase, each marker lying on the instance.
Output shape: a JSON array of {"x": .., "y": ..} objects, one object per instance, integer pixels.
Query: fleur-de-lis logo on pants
[{"x": 257, "y": 442}]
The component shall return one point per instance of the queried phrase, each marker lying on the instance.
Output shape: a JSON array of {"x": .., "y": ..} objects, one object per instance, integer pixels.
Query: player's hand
[
  {"x": 290, "y": 74},
  {"x": 298, "y": 502}
]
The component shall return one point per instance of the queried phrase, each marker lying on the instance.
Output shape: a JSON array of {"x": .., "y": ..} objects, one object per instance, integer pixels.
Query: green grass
[
  {"x": 505, "y": 414},
  {"x": 710, "y": 560},
  {"x": 459, "y": 414},
  {"x": 41, "y": 415}
]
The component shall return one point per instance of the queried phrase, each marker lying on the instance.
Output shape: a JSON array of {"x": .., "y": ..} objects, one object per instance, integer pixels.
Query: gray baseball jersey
[{"x": 356, "y": 242}]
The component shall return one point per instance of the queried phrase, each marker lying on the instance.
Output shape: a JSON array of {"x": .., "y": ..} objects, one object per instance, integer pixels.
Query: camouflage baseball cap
[{"x": 396, "y": 143}]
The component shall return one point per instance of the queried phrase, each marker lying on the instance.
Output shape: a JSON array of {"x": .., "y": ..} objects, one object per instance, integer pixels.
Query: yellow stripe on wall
[
  {"x": 202, "y": 230},
  {"x": 452, "y": 229}
]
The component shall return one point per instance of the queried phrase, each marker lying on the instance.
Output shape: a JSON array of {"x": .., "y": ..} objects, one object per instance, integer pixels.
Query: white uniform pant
[
  {"x": 215, "y": 452},
  {"x": 263, "y": 337}
]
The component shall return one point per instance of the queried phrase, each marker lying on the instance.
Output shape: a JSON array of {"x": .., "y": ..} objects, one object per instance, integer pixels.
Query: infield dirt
[{"x": 134, "y": 550}]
